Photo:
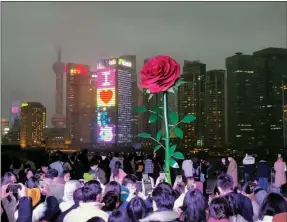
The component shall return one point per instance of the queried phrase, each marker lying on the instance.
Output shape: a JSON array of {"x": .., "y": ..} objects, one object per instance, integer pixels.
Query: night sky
[{"x": 88, "y": 31}]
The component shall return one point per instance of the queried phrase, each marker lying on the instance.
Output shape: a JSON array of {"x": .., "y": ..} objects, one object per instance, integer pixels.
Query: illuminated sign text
[
  {"x": 106, "y": 101},
  {"x": 77, "y": 69},
  {"x": 121, "y": 62}
]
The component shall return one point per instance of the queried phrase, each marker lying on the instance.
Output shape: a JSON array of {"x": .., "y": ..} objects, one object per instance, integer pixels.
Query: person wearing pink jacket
[{"x": 280, "y": 169}]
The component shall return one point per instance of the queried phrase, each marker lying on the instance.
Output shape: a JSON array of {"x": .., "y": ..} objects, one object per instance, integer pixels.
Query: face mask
[{"x": 93, "y": 168}]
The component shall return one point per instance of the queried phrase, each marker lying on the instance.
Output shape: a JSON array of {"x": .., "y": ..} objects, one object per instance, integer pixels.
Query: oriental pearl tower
[{"x": 59, "y": 120}]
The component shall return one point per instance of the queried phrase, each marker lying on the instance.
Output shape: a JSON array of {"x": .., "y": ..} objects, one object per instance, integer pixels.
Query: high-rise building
[
  {"x": 33, "y": 123},
  {"x": 239, "y": 101},
  {"x": 135, "y": 101},
  {"x": 214, "y": 109},
  {"x": 114, "y": 101},
  {"x": 4, "y": 126},
  {"x": 256, "y": 98},
  {"x": 13, "y": 136},
  {"x": 58, "y": 119},
  {"x": 15, "y": 112},
  {"x": 151, "y": 128},
  {"x": 79, "y": 105},
  {"x": 271, "y": 98},
  {"x": 191, "y": 100}
]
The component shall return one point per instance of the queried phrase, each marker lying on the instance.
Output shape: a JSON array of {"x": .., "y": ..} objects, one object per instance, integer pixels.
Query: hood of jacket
[{"x": 69, "y": 190}]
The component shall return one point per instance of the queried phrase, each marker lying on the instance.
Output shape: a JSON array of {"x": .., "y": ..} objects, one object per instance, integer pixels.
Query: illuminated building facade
[
  {"x": 191, "y": 100},
  {"x": 33, "y": 123},
  {"x": 4, "y": 126},
  {"x": 214, "y": 98},
  {"x": 15, "y": 112},
  {"x": 79, "y": 105},
  {"x": 136, "y": 100},
  {"x": 114, "y": 100}
]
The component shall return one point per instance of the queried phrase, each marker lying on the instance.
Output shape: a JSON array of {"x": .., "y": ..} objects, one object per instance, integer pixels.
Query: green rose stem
[{"x": 166, "y": 133}]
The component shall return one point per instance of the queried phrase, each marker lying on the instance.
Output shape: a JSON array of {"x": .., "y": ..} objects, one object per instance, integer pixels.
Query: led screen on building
[
  {"x": 106, "y": 102},
  {"x": 77, "y": 69}
]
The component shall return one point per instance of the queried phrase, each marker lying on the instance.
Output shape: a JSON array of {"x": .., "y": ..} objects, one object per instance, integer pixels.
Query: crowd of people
[{"x": 131, "y": 188}]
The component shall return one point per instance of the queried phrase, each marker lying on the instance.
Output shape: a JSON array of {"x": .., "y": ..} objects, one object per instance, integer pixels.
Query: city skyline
[{"x": 184, "y": 35}]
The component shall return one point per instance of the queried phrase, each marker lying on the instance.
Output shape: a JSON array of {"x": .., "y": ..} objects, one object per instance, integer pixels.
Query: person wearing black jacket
[
  {"x": 225, "y": 186},
  {"x": 222, "y": 169},
  {"x": 263, "y": 173}
]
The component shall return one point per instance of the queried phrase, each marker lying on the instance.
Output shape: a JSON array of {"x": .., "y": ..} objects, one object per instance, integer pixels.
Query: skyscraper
[
  {"x": 114, "y": 100},
  {"x": 271, "y": 85},
  {"x": 135, "y": 100},
  {"x": 15, "y": 112},
  {"x": 79, "y": 105},
  {"x": 4, "y": 126},
  {"x": 58, "y": 119},
  {"x": 240, "y": 100},
  {"x": 191, "y": 101},
  {"x": 33, "y": 123},
  {"x": 214, "y": 109},
  {"x": 151, "y": 128}
]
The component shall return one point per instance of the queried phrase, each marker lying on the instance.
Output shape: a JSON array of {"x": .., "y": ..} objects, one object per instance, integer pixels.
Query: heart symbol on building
[{"x": 106, "y": 96}]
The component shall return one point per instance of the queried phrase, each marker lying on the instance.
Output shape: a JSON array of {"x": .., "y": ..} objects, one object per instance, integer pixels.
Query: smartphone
[
  {"x": 14, "y": 187},
  {"x": 179, "y": 179},
  {"x": 162, "y": 177},
  {"x": 41, "y": 183},
  {"x": 147, "y": 187}
]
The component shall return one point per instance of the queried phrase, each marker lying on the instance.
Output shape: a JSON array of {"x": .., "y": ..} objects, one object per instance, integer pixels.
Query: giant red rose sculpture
[{"x": 159, "y": 74}]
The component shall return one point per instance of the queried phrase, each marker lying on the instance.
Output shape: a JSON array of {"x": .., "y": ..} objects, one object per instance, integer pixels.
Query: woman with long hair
[
  {"x": 111, "y": 201},
  {"x": 114, "y": 187},
  {"x": 273, "y": 204},
  {"x": 193, "y": 209},
  {"x": 136, "y": 209},
  {"x": 118, "y": 174},
  {"x": 218, "y": 210}
]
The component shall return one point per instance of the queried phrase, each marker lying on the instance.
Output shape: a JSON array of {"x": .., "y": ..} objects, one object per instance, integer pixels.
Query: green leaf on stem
[
  {"x": 141, "y": 109},
  {"x": 172, "y": 149},
  {"x": 173, "y": 117},
  {"x": 179, "y": 82},
  {"x": 178, "y": 155},
  {"x": 153, "y": 118},
  {"x": 144, "y": 135},
  {"x": 171, "y": 90},
  {"x": 147, "y": 91},
  {"x": 150, "y": 96},
  {"x": 173, "y": 163},
  {"x": 156, "y": 109},
  {"x": 158, "y": 135},
  {"x": 178, "y": 132},
  {"x": 157, "y": 148},
  {"x": 188, "y": 118}
]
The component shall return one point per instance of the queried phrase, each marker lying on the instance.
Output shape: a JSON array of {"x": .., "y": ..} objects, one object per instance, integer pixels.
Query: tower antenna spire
[{"x": 59, "y": 54}]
